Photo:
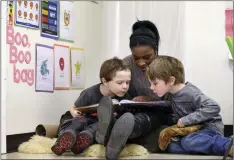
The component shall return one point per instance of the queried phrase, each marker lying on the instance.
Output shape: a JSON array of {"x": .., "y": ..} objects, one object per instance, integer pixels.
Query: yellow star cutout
[{"x": 77, "y": 66}]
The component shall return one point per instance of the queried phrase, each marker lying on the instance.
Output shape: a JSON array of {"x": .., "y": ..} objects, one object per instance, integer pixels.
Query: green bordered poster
[
  {"x": 66, "y": 21},
  {"x": 77, "y": 68}
]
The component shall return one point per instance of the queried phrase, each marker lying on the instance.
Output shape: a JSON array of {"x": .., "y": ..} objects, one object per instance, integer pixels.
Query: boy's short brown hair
[
  {"x": 163, "y": 67},
  {"x": 111, "y": 66}
]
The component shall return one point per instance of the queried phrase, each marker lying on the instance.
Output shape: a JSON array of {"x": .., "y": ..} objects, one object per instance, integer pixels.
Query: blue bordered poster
[
  {"x": 27, "y": 13},
  {"x": 49, "y": 19},
  {"x": 44, "y": 68}
]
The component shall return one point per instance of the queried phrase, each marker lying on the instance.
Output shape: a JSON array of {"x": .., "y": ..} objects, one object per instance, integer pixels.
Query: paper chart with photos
[{"x": 27, "y": 13}]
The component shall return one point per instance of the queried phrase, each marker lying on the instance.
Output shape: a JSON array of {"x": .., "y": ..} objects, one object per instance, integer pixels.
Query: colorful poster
[
  {"x": 66, "y": 21},
  {"x": 27, "y": 13},
  {"x": 229, "y": 22},
  {"x": 229, "y": 30},
  {"x": 77, "y": 68},
  {"x": 49, "y": 19},
  {"x": 44, "y": 68},
  {"x": 62, "y": 67},
  {"x": 10, "y": 13}
]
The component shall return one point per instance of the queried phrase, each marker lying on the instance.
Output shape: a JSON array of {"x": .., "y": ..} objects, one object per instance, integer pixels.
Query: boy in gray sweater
[{"x": 190, "y": 106}]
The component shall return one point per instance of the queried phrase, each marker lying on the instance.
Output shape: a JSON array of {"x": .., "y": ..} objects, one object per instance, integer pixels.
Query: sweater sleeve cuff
[{"x": 185, "y": 121}]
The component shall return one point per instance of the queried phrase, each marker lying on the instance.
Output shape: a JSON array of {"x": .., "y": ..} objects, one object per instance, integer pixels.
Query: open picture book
[{"x": 126, "y": 104}]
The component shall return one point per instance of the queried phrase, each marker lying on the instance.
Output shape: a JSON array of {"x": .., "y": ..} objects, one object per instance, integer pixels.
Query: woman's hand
[{"x": 141, "y": 98}]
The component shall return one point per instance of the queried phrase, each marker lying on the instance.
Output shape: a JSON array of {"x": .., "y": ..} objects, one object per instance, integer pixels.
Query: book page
[
  {"x": 128, "y": 101},
  {"x": 125, "y": 101},
  {"x": 115, "y": 102},
  {"x": 148, "y": 103}
]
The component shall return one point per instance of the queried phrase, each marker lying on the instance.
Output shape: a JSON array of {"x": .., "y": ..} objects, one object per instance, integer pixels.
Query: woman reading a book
[
  {"x": 144, "y": 124},
  {"x": 144, "y": 45}
]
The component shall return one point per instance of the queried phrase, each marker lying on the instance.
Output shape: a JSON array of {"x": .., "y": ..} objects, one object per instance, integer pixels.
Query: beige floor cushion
[{"x": 42, "y": 145}]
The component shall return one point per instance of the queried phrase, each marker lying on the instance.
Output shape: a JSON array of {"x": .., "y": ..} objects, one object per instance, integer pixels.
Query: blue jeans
[{"x": 205, "y": 141}]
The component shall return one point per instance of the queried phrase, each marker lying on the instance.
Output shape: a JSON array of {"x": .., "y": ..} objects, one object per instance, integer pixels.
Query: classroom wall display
[
  {"x": 20, "y": 53},
  {"x": 77, "y": 68},
  {"x": 49, "y": 19},
  {"x": 61, "y": 67},
  {"x": 10, "y": 13},
  {"x": 66, "y": 21},
  {"x": 27, "y": 13},
  {"x": 44, "y": 68}
]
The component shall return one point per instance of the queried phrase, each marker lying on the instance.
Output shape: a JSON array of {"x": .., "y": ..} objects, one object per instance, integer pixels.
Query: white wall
[
  {"x": 207, "y": 53},
  {"x": 26, "y": 108},
  {"x": 3, "y": 80},
  {"x": 194, "y": 32},
  {"x": 119, "y": 17}
]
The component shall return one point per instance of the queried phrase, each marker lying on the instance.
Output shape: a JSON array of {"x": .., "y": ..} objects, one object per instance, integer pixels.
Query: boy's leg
[
  {"x": 176, "y": 148},
  {"x": 66, "y": 138},
  {"x": 64, "y": 142},
  {"x": 229, "y": 151},
  {"x": 119, "y": 136},
  {"x": 67, "y": 135},
  {"x": 150, "y": 141},
  {"x": 142, "y": 125},
  {"x": 147, "y": 128},
  {"x": 85, "y": 138},
  {"x": 64, "y": 117},
  {"x": 206, "y": 141},
  {"x": 105, "y": 120}
]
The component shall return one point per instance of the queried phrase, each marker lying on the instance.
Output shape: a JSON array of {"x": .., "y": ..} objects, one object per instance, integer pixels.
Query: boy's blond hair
[{"x": 163, "y": 67}]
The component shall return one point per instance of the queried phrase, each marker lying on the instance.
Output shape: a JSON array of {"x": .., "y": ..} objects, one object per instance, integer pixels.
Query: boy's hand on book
[
  {"x": 180, "y": 124},
  {"x": 76, "y": 113},
  {"x": 141, "y": 99}
]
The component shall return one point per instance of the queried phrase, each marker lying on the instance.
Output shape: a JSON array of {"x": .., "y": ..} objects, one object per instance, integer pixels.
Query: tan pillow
[{"x": 168, "y": 133}]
